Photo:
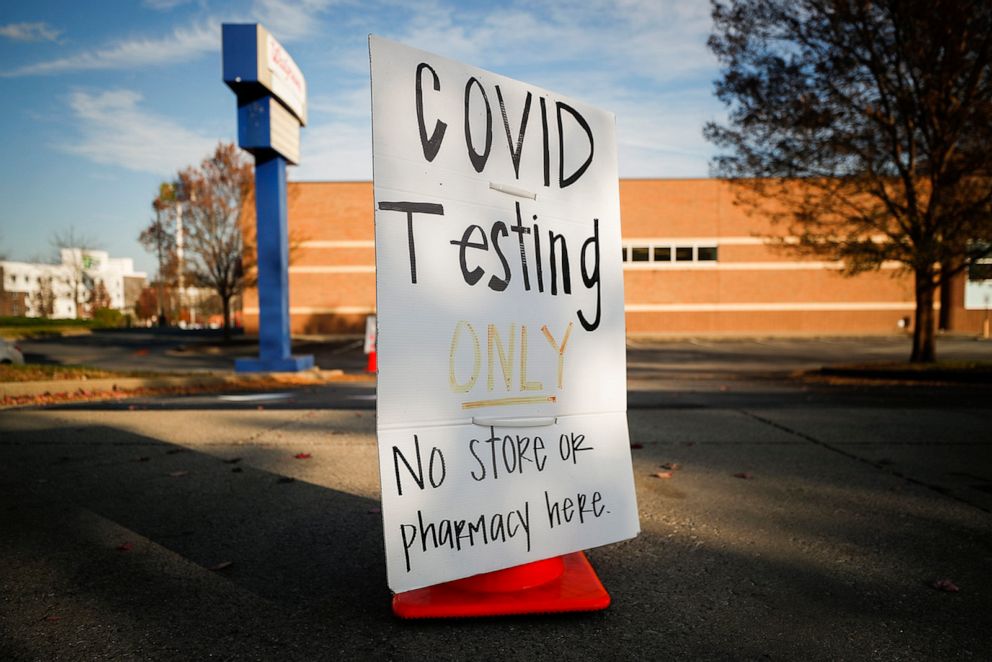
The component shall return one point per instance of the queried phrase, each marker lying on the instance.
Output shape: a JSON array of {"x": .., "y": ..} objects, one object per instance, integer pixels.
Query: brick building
[{"x": 694, "y": 264}]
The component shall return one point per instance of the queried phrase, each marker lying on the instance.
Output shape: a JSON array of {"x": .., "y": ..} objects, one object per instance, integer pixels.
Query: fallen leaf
[
  {"x": 303, "y": 456},
  {"x": 221, "y": 565},
  {"x": 946, "y": 585},
  {"x": 662, "y": 474},
  {"x": 637, "y": 446},
  {"x": 671, "y": 466},
  {"x": 743, "y": 474},
  {"x": 177, "y": 474},
  {"x": 125, "y": 547}
]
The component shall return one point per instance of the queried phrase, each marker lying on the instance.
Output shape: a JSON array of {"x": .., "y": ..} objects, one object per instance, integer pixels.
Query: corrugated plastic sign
[{"x": 502, "y": 423}]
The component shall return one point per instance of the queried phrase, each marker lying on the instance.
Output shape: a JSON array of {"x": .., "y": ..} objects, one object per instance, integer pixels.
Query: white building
[{"x": 87, "y": 268}]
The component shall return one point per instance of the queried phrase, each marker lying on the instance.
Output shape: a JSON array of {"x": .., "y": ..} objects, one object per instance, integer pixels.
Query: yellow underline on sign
[{"x": 502, "y": 402}]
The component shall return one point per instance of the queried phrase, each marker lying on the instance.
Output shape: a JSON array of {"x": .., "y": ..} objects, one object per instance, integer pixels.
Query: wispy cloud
[
  {"x": 165, "y": 5},
  {"x": 115, "y": 130},
  {"x": 181, "y": 45},
  {"x": 347, "y": 103},
  {"x": 335, "y": 151},
  {"x": 659, "y": 40},
  {"x": 645, "y": 60},
  {"x": 337, "y": 144},
  {"x": 37, "y": 31},
  {"x": 291, "y": 20}
]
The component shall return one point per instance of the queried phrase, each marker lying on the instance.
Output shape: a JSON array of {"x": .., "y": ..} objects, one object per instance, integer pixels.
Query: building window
[
  {"x": 980, "y": 271},
  {"x": 706, "y": 253},
  {"x": 667, "y": 253}
]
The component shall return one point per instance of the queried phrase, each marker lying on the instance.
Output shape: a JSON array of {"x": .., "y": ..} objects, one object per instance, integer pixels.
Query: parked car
[{"x": 10, "y": 353}]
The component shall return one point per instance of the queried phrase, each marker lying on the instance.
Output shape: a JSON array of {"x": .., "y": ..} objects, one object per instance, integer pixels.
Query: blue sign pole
[
  {"x": 255, "y": 66},
  {"x": 273, "y": 272}
]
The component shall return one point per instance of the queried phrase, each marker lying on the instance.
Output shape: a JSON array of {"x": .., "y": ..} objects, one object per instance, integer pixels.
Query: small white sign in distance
[{"x": 501, "y": 422}]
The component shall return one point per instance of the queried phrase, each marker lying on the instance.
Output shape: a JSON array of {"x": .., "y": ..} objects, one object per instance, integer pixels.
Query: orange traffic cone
[{"x": 559, "y": 584}]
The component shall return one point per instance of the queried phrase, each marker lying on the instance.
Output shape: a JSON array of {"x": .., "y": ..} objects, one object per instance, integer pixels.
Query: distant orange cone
[{"x": 373, "y": 367}]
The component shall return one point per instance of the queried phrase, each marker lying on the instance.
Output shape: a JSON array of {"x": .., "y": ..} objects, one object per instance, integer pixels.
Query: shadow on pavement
[
  {"x": 306, "y": 577},
  {"x": 295, "y": 550}
]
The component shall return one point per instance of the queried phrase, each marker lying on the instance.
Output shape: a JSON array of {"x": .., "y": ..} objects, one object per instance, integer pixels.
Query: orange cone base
[{"x": 573, "y": 587}]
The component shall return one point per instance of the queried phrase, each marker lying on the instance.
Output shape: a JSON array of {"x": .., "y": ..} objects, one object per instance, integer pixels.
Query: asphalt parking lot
[{"x": 806, "y": 518}]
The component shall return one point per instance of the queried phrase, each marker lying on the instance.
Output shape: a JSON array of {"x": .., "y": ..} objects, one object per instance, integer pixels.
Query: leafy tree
[
  {"x": 147, "y": 306},
  {"x": 213, "y": 195},
  {"x": 864, "y": 126}
]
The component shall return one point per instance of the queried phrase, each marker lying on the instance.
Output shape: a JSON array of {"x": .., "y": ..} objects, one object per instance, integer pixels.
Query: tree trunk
[
  {"x": 226, "y": 304},
  {"x": 924, "y": 343}
]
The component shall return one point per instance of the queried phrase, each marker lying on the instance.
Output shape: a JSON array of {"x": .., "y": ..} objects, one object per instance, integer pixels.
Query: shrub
[{"x": 107, "y": 318}]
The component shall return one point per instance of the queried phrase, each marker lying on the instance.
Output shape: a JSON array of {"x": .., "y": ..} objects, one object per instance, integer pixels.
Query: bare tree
[
  {"x": 159, "y": 238},
  {"x": 213, "y": 195},
  {"x": 71, "y": 247},
  {"x": 864, "y": 126},
  {"x": 43, "y": 299}
]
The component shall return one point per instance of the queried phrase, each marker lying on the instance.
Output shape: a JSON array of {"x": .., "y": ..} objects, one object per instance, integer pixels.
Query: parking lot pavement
[
  {"x": 801, "y": 520},
  {"x": 647, "y": 358}
]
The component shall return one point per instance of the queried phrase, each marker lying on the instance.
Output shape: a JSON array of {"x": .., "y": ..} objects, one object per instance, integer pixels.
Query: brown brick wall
[{"x": 332, "y": 285}]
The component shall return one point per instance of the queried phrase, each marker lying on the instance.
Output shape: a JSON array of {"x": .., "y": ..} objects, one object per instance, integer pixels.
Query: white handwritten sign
[{"x": 502, "y": 423}]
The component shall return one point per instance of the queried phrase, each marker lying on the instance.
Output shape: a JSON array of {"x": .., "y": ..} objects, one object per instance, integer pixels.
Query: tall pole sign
[
  {"x": 501, "y": 423},
  {"x": 272, "y": 106}
]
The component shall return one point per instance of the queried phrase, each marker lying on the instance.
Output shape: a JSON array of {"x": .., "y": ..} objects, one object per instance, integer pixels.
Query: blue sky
[{"x": 104, "y": 100}]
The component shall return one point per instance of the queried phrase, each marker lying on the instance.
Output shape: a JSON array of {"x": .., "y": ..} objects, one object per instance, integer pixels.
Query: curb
[{"x": 983, "y": 376}]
